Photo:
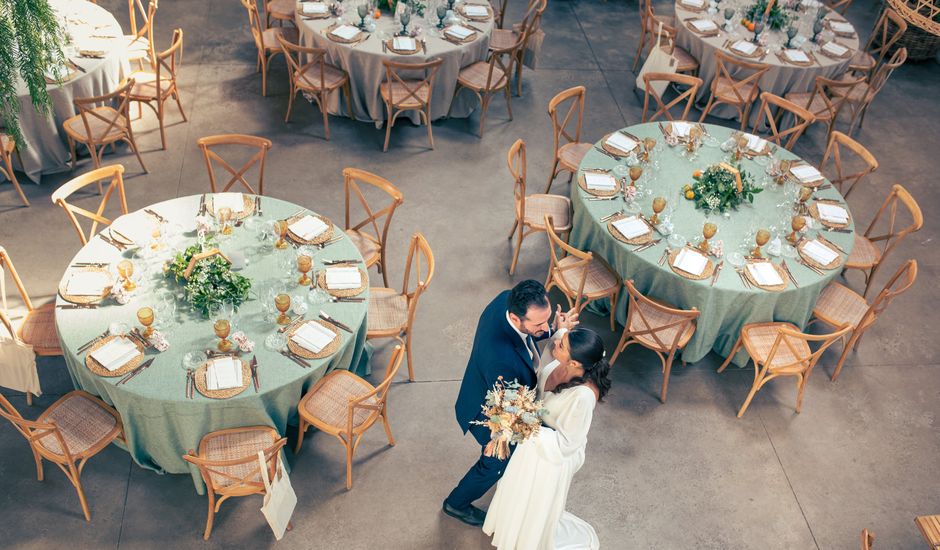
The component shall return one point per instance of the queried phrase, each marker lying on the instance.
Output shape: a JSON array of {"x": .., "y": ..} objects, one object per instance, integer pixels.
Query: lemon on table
[{"x": 690, "y": 194}]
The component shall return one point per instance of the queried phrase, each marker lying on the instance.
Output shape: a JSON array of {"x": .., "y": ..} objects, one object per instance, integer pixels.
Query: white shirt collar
[{"x": 521, "y": 334}]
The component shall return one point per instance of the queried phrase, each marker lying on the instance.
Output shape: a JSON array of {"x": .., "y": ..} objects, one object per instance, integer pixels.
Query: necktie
[{"x": 533, "y": 351}]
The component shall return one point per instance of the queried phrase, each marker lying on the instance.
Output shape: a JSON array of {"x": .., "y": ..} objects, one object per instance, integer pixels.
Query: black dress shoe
[{"x": 470, "y": 515}]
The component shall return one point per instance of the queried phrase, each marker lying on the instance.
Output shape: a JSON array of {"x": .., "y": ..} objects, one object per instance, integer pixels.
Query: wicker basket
[{"x": 922, "y": 38}]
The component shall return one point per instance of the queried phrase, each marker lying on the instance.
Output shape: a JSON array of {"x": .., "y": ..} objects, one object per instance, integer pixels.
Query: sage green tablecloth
[
  {"x": 727, "y": 306},
  {"x": 159, "y": 422}
]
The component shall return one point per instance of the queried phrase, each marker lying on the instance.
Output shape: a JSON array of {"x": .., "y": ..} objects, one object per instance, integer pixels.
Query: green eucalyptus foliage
[
  {"x": 717, "y": 190},
  {"x": 776, "y": 20},
  {"x": 211, "y": 282}
]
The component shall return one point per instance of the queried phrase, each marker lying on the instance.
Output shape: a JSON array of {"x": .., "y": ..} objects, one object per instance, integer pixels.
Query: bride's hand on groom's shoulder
[{"x": 565, "y": 320}]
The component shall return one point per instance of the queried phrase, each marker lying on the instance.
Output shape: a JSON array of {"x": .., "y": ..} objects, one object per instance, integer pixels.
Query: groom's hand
[{"x": 565, "y": 320}]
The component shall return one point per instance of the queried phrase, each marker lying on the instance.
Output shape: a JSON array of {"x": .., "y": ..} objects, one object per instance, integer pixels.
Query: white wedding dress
[{"x": 528, "y": 509}]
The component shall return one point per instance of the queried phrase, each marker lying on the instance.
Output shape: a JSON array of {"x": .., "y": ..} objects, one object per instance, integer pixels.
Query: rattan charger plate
[
  {"x": 343, "y": 292},
  {"x": 770, "y": 288},
  {"x": 814, "y": 212},
  {"x": 319, "y": 239},
  {"x": 642, "y": 239},
  {"x": 390, "y": 45},
  {"x": 706, "y": 273},
  {"x": 327, "y": 351},
  {"x": 758, "y": 53},
  {"x": 694, "y": 9},
  {"x": 97, "y": 368},
  {"x": 849, "y": 52},
  {"x": 64, "y": 283},
  {"x": 785, "y": 59},
  {"x": 478, "y": 18},
  {"x": 599, "y": 192},
  {"x": 200, "y": 378},
  {"x": 695, "y": 31},
  {"x": 834, "y": 264},
  {"x": 620, "y": 152},
  {"x": 454, "y": 39},
  {"x": 840, "y": 34},
  {"x": 339, "y": 39},
  {"x": 798, "y": 181},
  {"x": 324, "y": 15},
  {"x": 248, "y": 210}
]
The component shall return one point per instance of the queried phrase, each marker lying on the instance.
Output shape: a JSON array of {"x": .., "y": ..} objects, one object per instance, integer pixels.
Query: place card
[
  {"x": 346, "y": 32},
  {"x": 87, "y": 283},
  {"x": 474, "y": 10},
  {"x": 343, "y": 278},
  {"x": 602, "y": 182},
  {"x": 632, "y": 227},
  {"x": 313, "y": 336},
  {"x": 744, "y": 47},
  {"x": 796, "y": 56},
  {"x": 704, "y": 25},
  {"x": 820, "y": 253},
  {"x": 233, "y": 201},
  {"x": 313, "y": 8},
  {"x": 459, "y": 32},
  {"x": 224, "y": 373},
  {"x": 308, "y": 228},
  {"x": 764, "y": 274},
  {"x": 835, "y": 49},
  {"x": 691, "y": 262},
  {"x": 115, "y": 354},
  {"x": 806, "y": 173},
  {"x": 404, "y": 43},
  {"x": 832, "y": 213},
  {"x": 621, "y": 142}
]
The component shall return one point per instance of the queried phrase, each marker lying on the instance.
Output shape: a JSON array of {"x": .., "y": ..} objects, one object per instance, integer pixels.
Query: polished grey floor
[{"x": 687, "y": 474}]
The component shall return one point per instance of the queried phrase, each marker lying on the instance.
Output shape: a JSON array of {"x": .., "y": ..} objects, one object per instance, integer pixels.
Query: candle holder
[
  {"x": 659, "y": 204},
  {"x": 282, "y": 303},
  {"x": 304, "y": 264},
  {"x": 222, "y": 328},
  {"x": 280, "y": 231},
  {"x": 797, "y": 224},
  {"x": 762, "y": 238},
  {"x": 146, "y": 317},
  {"x": 708, "y": 231},
  {"x": 126, "y": 269}
]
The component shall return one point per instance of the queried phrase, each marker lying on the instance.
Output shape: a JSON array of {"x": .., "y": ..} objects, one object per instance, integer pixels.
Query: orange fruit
[
  {"x": 697, "y": 174},
  {"x": 744, "y": 21},
  {"x": 690, "y": 194},
  {"x": 750, "y": 26}
]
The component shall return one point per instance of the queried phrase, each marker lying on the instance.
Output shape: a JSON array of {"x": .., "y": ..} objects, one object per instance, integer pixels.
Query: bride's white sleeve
[{"x": 571, "y": 426}]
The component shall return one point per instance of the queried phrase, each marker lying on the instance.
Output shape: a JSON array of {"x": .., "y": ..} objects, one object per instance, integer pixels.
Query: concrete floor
[{"x": 681, "y": 475}]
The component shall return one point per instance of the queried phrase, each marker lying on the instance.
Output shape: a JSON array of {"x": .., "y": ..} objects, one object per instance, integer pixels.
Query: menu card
[
  {"x": 620, "y": 141},
  {"x": 459, "y": 32},
  {"x": 314, "y": 8},
  {"x": 631, "y": 227},
  {"x": 832, "y": 213},
  {"x": 313, "y": 336},
  {"x": 346, "y": 32},
  {"x": 764, "y": 274},
  {"x": 224, "y": 373},
  {"x": 404, "y": 43},
  {"x": 745, "y": 47},
  {"x": 233, "y": 201},
  {"x": 340, "y": 278},
  {"x": 87, "y": 283}
]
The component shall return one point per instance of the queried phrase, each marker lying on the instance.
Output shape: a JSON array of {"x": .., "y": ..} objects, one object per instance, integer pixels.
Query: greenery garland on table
[
  {"x": 211, "y": 282},
  {"x": 716, "y": 189},
  {"x": 776, "y": 20}
]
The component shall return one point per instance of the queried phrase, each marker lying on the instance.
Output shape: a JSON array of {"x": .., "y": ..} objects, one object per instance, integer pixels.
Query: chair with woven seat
[
  {"x": 98, "y": 124},
  {"x": 402, "y": 94},
  {"x": 888, "y": 29},
  {"x": 346, "y": 406},
  {"x": 780, "y": 349},
  {"x": 37, "y": 329},
  {"x": 139, "y": 44},
  {"x": 7, "y": 147},
  {"x": 649, "y": 27},
  {"x": 159, "y": 86},
  {"x": 392, "y": 313},
  {"x": 657, "y": 326},
  {"x": 686, "y": 63},
  {"x": 736, "y": 91},
  {"x": 567, "y": 147},
  {"x": 499, "y": 12},
  {"x": 868, "y": 539},
  {"x": 839, "y": 305},
  {"x": 802, "y": 119},
  {"x": 842, "y": 147},
  {"x": 68, "y": 433},
  {"x": 861, "y": 97},
  {"x": 316, "y": 79},
  {"x": 487, "y": 78},
  {"x": 279, "y": 10},
  {"x": 826, "y": 99},
  {"x": 691, "y": 84},
  {"x": 266, "y": 41},
  {"x": 883, "y": 236},
  {"x": 251, "y": 143},
  {"x": 527, "y": 29},
  {"x": 530, "y": 210},
  {"x": 581, "y": 276},
  {"x": 113, "y": 172},
  {"x": 228, "y": 463},
  {"x": 371, "y": 244}
]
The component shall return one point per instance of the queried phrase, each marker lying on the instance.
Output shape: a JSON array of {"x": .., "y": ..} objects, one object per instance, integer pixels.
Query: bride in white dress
[{"x": 528, "y": 509}]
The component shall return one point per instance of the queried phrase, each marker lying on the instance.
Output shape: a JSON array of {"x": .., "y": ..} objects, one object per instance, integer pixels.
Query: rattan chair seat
[
  {"x": 369, "y": 249},
  {"x": 556, "y": 206},
  {"x": 401, "y": 94},
  {"x": 818, "y": 106},
  {"x": 333, "y": 78},
  {"x": 501, "y": 39},
  {"x": 858, "y": 93},
  {"x": 653, "y": 318},
  {"x": 38, "y": 330},
  {"x": 270, "y": 37},
  {"x": 82, "y": 423},
  {"x": 864, "y": 254},
  {"x": 145, "y": 85},
  {"x": 234, "y": 446},
  {"x": 839, "y": 305},
  {"x": 570, "y": 154},
  {"x": 600, "y": 278},
  {"x": 328, "y": 403},
  {"x": 282, "y": 9},
  {"x": 100, "y": 129},
  {"x": 862, "y": 61},
  {"x": 759, "y": 340},
  {"x": 474, "y": 77},
  {"x": 388, "y": 310},
  {"x": 685, "y": 61},
  {"x": 724, "y": 90}
]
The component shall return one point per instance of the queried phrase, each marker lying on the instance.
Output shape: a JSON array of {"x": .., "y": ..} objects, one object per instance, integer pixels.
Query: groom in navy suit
[{"x": 504, "y": 345}]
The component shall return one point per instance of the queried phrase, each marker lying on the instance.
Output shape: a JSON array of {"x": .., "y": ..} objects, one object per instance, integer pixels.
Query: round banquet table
[
  {"x": 782, "y": 77},
  {"x": 726, "y": 306},
  {"x": 90, "y": 27},
  {"x": 363, "y": 62},
  {"x": 160, "y": 423}
]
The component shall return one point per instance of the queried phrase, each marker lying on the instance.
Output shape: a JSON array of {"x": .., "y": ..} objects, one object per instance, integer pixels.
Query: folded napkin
[
  {"x": 137, "y": 227},
  {"x": 224, "y": 373},
  {"x": 405, "y": 43},
  {"x": 313, "y": 8},
  {"x": 704, "y": 25},
  {"x": 115, "y": 354},
  {"x": 841, "y": 26},
  {"x": 693, "y": 3},
  {"x": 764, "y": 274},
  {"x": 603, "y": 182},
  {"x": 681, "y": 129},
  {"x": 631, "y": 227},
  {"x": 835, "y": 48},
  {"x": 620, "y": 141},
  {"x": 819, "y": 252},
  {"x": 340, "y": 278},
  {"x": 832, "y": 213},
  {"x": 745, "y": 47},
  {"x": 806, "y": 173},
  {"x": 474, "y": 10},
  {"x": 755, "y": 143},
  {"x": 308, "y": 228},
  {"x": 691, "y": 262},
  {"x": 458, "y": 31},
  {"x": 233, "y": 201},
  {"x": 87, "y": 283},
  {"x": 796, "y": 56},
  {"x": 346, "y": 32},
  {"x": 313, "y": 336}
]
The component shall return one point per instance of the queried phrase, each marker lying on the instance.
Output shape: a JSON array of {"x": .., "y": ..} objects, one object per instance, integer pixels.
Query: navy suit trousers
[{"x": 481, "y": 476}]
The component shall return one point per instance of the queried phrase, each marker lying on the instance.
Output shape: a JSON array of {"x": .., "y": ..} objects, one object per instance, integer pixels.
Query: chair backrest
[
  {"x": 832, "y": 94},
  {"x": 532, "y": 11},
  {"x": 639, "y": 324},
  {"x": 534, "y": 23},
  {"x": 502, "y": 62},
  {"x": 419, "y": 270},
  {"x": 890, "y": 235},
  {"x": 241, "y": 473},
  {"x": 516, "y": 162},
  {"x": 135, "y": 8},
  {"x": 788, "y": 339},
  {"x": 902, "y": 280},
  {"x": 746, "y": 74},
  {"x": 59, "y": 196},
  {"x": 499, "y": 11},
  {"x": 402, "y": 89},
  {"x": 353, "y": 180},
  {"x": 254, "y": 21},
  {"x": 33, "y": 431},
  {"x": 844, "y": 180},
  {"x": 118, "y": 119},
  {"x": 566, "y": 110},
  {"x": 296, "y": 54},
  {"x": 691, "y": 83},
  {"x": 262, "y": 145},
  {"x": 801, "y": 120},
  {"x": 6, "y": 263},
  {"x": 889, "y": 28},
  {"x": 883, "y": 72},
  {"x": 555, "y": 270},
  {"x": 868, "y": 539},
  {"x": 167, "y": 64},
  {"x": 381, "y": 391},
  {"x": 840, "y": 6}
]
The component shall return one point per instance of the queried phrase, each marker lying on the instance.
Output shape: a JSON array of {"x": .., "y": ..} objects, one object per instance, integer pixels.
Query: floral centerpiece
[
  {"x": 718, "y": 188},
  {"x": 513, "y": 416},
  {"x": 212, "y": 280},
  {"x": 777, "y": 19}
]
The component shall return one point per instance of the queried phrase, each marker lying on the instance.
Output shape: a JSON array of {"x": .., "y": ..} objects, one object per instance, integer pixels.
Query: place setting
[
  {"x": 830, "y": 213},
  {"x": 304, "y": 228},
  {"x": 313, "y": 10},
  {"x": 599, "y": 183},
  {"x": 834, "y": 50},
  {"x": 704, "y": 27},
  {"x": 480, "y": 13},
  {"x": 459, "y": 34},
  {"x": 796, "y": 57},
  {"x": 345, "y": 33}
]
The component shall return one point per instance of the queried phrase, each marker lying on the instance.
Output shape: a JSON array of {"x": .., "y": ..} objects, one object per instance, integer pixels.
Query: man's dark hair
[{"x": 527, "y": 294}]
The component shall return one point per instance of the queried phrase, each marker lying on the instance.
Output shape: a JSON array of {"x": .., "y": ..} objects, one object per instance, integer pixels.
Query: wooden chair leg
[
  {"x": 388, "y": 428},
  {"x": 708, "y": 107},
  {"x": 38, "y": 459},
  {"x": 800, "y": 386},
  {"x": 552, "y": 174},
  {"x": 484, "y": 107},
  {"x": 512, "y": 231},
  {"x": 845, "y": 353},
  {"x": 211, "y": 518},
  {"x": 290, "y": 102},
  {"x": 160, "y": 113},
  {"x": 427, "y": 121},
  {"x": 29, "y": 399},
  {"x": 518, "y": 247},
  {"x": 411, "y": 370},
  {"x": 179, "y": 103},
  {"x": 301, "y": 428},
  {"x": 382, "y": 268},
  {"x": 72, "y": 152},
  {"x": 326, "y": 115},
  {"x": 388, "y": 129},
  {"x": 349, "y": 457},
  {"x": 77, "y": 482},
  {"x": 508, "y": 93},
  {"x": 613, "y": 311},
  {"x": 750, "y": 396},
  {"x": 734, "y": 351},
  {"x": 7, "y": 161}
]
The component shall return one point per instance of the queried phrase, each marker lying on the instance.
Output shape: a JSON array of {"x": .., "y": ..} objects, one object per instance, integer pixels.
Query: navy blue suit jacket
[{"x": 497, "y": 351}]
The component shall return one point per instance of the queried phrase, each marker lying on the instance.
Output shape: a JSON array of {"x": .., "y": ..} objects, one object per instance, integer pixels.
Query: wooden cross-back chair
[
  {"x": 60, "y": 197},
  {"x": 802, "y": 119},
  {"x": 839, "y": 145},
  {"x": 97, "y": 124},
  {"x": 862, "y": 96},
  {"x": 527, "y": 28},
  {"x": 657, "y": 326},
  {"x": 263, "y": 145},
  {"x": 280, "y": 10},
  {"x": 266, "y": 41},
  {"x": 868, "y": 539},
  {"x": 530, "y": 210},
  {"x": 826, "y": 99},
  {"x": 499, "y": 12},
  {"x": 840, "y": 6},
  {"x": 7, "y": 148},
  {"x": 649, "y": 25},
  {"x": 780, "y": 349},
  {"x": 316, "y": 78},
  {"x": 37, "y": 329},
  {"x": 159, "y": 86},
  {"x": 566, "y": 110},
  {"x": 346, "y": 406},
  {"x": 690, "y": 83},
  {"x": 140, "y": 46},
  {"x": 581, "y": 276},
  {"x": 402, "y": 94},
  {"x": 839, "y": 305},
  {"x": 68, "y": 433},
  {"x": 371, "y": 244},
  {"x": 487, "y": 78},
  {"x": 884, "y": 234},
  {"x": 392, "y": 313},
  {"x": 739, "y": 93},
  {"x": 228, "y": 463},
  {"x": 686, "y": 63},
  {"x": 888, "y": 29}
]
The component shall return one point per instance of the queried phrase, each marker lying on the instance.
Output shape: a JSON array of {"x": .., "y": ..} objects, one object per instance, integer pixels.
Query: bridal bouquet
[{"x": 513, "y": 416}]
